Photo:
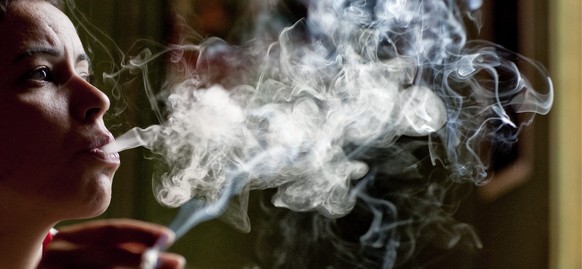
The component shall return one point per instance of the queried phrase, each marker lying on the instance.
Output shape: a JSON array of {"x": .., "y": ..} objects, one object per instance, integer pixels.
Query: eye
[
  {"x": 40, "y": 74},
  {"x": 87, "y": 77}
]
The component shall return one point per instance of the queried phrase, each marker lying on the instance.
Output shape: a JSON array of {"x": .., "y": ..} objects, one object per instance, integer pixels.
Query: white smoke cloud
[{"x": 352, "y": 78}]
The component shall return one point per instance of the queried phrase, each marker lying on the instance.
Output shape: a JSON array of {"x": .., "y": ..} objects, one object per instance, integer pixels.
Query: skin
[
  {"x": 51, "y": 165},
  {"x": 44, "y": 91}
]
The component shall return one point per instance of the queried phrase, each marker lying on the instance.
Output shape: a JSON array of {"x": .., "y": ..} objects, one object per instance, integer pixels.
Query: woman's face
[{"x": 51, "y": 117}]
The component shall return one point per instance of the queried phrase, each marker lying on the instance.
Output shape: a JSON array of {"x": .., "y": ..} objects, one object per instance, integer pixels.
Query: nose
[{"x": 88, "y": 103}]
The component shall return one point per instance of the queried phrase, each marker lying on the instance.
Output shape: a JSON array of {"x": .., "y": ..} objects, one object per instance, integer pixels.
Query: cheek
[
  {"x": 38, "y": 161},
  {"x": 31, "y": 136}
]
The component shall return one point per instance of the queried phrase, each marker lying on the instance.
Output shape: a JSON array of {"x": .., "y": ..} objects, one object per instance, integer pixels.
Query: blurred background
[{"x": 527, "y": 217}]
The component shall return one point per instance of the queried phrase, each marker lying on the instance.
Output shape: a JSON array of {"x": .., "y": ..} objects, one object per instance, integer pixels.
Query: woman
[{"x": 51, "y": 165}]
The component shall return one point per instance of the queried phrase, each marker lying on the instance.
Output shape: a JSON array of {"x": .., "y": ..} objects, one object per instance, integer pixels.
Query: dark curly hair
[{"x": 4, "y": 4}]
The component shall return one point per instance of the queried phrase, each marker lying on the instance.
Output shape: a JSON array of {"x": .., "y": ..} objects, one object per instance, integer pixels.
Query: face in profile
[{"x": 51, "y": 117}]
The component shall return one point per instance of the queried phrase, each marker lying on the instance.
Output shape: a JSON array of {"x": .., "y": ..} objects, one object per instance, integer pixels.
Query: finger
[
  {"x": 66, "y": 255},
  {"x": 170, "y": 261},
  {"x": 115, "y": 232}
]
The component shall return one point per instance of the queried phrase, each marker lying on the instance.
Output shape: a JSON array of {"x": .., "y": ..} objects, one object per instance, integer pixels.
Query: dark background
[{"x": 513, "y": 227}]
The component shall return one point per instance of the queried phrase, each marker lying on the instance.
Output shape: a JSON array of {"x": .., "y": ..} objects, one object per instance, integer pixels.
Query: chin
[
  {"x": 96, "y": 199},
  {"x": 102, "y": 198},
  {"x": 93, "y": 209}
]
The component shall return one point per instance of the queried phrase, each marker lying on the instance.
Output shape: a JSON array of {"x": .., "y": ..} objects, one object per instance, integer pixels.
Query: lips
[
  {"x": 95, "y": 149},
  {"x": 107, "y": 157}
]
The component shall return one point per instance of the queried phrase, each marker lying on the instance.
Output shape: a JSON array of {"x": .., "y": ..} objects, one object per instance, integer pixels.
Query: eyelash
[
  {"x": 88, "y": 77},
  {"x": 43, "y": 71}
]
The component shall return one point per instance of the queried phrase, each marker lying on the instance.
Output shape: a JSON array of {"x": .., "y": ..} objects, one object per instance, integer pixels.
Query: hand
[{"x": 109, "y": 244}]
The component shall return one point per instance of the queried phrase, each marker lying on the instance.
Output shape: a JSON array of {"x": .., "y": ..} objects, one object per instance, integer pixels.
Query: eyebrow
[{"x": 46, "y": 51}]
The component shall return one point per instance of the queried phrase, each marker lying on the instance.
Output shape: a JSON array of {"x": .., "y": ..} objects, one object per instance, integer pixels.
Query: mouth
[
  {"x": 106, "y": 157},
  {"x": 95, "y": 149}
]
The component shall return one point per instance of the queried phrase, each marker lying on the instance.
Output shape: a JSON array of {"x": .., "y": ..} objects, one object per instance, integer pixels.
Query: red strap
[{"x": 47, "y": 240}]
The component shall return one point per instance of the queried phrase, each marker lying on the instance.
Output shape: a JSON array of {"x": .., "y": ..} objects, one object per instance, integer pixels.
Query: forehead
[{"x": 30, "y": 24}]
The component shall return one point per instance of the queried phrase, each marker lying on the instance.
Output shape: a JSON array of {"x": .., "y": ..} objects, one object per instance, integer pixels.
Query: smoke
[{"x": 379, "y": 107}]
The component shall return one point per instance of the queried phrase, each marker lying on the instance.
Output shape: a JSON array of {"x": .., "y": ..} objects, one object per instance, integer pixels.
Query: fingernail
[{"x": 165, "y": 240}]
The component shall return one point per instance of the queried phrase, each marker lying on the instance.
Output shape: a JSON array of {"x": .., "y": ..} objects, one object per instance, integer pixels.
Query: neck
[
  {"x": 20, "y": 250},
  {"x": 22, "y": 232}
]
